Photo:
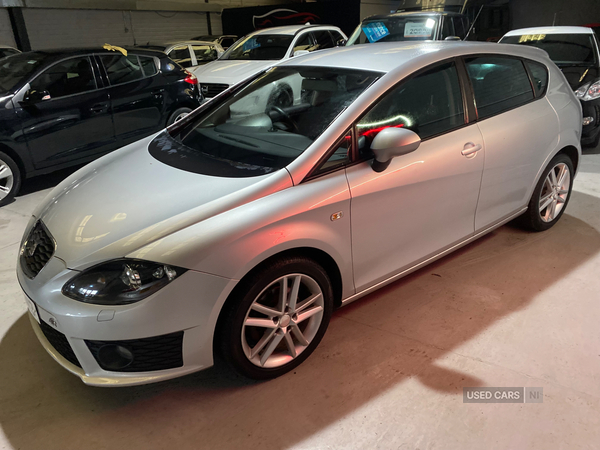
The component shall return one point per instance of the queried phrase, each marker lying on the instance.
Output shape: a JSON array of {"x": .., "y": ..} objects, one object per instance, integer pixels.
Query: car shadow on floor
[
  {"x": 41, "y": 182},
  {"x": 397, "y": 334}
]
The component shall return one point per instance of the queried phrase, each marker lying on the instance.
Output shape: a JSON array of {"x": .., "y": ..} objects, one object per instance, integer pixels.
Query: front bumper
[
  {"x": 590, "y": 133},
  {"x": 189, "y": 305}
]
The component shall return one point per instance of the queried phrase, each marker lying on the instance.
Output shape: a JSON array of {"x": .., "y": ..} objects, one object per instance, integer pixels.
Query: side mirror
[
  {"x": 392, "y": 142},
  {"x": 301, "y": 52},
  {"x": 452, "y": 38},
  {"x": 33, "y": 96}
]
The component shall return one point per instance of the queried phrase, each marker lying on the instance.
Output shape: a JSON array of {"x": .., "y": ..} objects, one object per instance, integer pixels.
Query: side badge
[{"x": 336, "y": 216}]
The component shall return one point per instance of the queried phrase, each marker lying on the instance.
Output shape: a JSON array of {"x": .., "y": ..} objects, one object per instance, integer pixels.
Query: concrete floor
[{"x": 513, "y": 309}]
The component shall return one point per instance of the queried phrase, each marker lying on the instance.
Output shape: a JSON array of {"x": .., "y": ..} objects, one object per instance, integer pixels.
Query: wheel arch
[
  {"x": 319, "y": 256},
  {"x": 15, "y": 157},
  {"x": 572, "y": 153}
]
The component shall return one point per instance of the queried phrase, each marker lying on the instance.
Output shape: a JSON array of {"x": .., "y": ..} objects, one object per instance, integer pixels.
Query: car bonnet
[{"x": 128, "y": 200}]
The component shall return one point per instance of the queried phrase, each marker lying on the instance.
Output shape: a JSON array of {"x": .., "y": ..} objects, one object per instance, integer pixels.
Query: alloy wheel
[
  {"x": 282, "y": 321},
  {"x": 6, "y": 179},
  {"x": 555, "y": 192}
]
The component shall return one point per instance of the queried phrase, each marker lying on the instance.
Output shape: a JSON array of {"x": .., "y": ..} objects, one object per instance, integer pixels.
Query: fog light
[
  {"x": 587, "y": 120},
  {"x": 114, "y": 357}
]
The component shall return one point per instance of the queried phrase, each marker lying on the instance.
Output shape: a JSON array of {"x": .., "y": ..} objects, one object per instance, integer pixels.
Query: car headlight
[
  {"x": 589, "y": 92},
  {"x": 120, "y": 282}
]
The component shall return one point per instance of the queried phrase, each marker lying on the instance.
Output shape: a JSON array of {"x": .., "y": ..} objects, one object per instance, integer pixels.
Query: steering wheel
[{"x": 286, "y": 116}]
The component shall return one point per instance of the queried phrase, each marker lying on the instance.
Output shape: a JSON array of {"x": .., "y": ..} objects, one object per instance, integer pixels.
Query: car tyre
[
  {"x": 177, "y": 115},
  {"x": 10, "y": 179},
  {"x": 263, "y": 337},
  {"x": 551, "y": 195}
]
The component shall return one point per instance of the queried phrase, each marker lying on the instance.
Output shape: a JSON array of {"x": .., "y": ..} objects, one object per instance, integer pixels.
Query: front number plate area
[{"x": 32, "y": 308}]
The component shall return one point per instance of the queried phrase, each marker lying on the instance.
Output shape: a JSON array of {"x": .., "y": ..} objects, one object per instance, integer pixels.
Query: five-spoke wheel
[{"x": 10, "y": 179}]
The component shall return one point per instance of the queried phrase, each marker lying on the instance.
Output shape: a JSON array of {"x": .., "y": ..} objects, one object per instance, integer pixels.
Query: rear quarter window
[
  {"x": 499, "y": 84},
  {"x": 539, "y": 77}
]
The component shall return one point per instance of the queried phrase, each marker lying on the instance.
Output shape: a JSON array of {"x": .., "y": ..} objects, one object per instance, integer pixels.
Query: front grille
[
  {"x": 37, "y": 250},
  {"x": 149, "y": 354},
  {"x": 59, "y": 342},
  {"x": 210, "y": 90}
]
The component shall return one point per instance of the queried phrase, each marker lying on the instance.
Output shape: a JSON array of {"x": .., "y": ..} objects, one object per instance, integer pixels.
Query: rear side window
[
  {"x": 499, "y": 84},
  {"x": 68, "y": 77},
  {"x": 337, "y": 37},
  {"x": 428, "y": 104},
  {"x": 459, "y": 28},
  {"x": 539, "y": 77},
  {"x": 149, "y": 65},
  {"x": 122, "y": 69},
  {"x": 181, "y": 55}
]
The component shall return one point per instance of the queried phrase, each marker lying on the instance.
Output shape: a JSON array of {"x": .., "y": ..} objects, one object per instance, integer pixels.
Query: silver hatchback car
[{"x": 239, "y": 229}]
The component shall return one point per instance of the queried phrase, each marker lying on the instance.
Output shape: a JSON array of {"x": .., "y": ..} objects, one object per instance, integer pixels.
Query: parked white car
[
  {"x": 188, "y": 54},
  {"x": 262, "y": 49},
  {"x": 240, "y": 233}
]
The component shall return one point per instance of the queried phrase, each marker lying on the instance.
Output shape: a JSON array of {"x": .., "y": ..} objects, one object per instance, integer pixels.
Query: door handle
[
  {"x": 98, "y": 108},
  {"x": 470, "y": 149}
]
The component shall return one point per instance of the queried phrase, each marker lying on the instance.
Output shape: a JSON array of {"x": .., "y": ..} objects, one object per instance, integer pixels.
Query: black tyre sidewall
[
  {"x": 16, "y": 178},
  {"x": 240, "y": 301},
  {"x": 534, "y": 220},
  {"x": 178, "y": 111}
]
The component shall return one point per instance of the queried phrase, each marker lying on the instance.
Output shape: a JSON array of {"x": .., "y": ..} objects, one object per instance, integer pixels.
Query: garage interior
[{"x": 513, "y": 309}]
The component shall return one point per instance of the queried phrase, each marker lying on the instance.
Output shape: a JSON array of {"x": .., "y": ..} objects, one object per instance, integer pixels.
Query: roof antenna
[{"x": 473, "y": 24}]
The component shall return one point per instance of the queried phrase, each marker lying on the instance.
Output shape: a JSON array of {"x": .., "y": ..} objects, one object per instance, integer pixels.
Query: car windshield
[
  {"x": 566, "y": 49},
  {"x": 260, "y": 47},
  {"x": 391, "y": 29},
  {"x": 16, "y": 67},
  {"x": 264, "y": 126}
]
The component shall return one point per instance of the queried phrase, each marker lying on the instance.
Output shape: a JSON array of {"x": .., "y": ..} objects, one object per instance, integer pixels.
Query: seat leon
[{"x": 239, "y": 229}]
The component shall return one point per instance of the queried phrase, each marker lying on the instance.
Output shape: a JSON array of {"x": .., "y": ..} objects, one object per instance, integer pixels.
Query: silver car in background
[{"x": 238, "y": 230}]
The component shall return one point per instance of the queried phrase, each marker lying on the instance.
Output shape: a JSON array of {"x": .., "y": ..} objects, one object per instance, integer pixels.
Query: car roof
[
  {"x": 550, "y": 30},
  {"x": 290, "y": 29},
  {"x": 58, "y": 53},
  {"x": 171, "y": 43},
  {"x": 388, "y": 56},
  {"x": 412, "y": 13}
]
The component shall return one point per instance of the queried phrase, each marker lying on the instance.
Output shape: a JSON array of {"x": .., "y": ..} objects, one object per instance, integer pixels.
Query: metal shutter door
[
  {"x": 6, "y": 34},
  {"x": 68, "y": 28},
  {"x": 164, "y": 26},
  {"x": 216, "y": 24}
]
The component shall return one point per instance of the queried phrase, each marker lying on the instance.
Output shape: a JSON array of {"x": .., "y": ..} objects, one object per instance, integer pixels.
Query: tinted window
[
  {"x": 562, "y": 48},
  {"x": 204, "y": 53},
  {"x": 262, "y": 47},
  {"x": 539, "y": 77},
  {"x": 227, "y": 42},
  {"x": 447, "y": 28},
  {"x": 121, "y": 69},
  {"x": 7, "y": 52},
  {"x": 149, "y": 65},
  {"x": 16, "y": 68},
  {"x": 181, "y": 55},
  {"x": 322, "y": 40},
  {"x": 337, "y": 37},
  {"x": 389, "y": 29},
  {"x": 499, "y": 84},
  {"x": 304, "y": 42},
  {"x": 429, "y": 104},
  {"x": 66, "y": 78},
  {"x": 459, "y": 28}
]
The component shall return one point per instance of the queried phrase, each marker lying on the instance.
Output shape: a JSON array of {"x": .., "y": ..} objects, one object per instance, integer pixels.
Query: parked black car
[{"x": 65, "y": 107}]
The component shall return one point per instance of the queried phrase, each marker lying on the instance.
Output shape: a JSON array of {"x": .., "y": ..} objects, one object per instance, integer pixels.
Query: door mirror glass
[
  {"x": 34, "y": 96},
  {"x": 392, "y": 142}
]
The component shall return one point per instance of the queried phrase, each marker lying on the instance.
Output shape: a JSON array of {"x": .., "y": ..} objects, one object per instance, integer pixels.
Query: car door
[
  {"x": 73, "y": 120},
  {"x": 518, "y": 132},
  {"x": 424, "y": 201},
  {"x": 137, "y": 95}
]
